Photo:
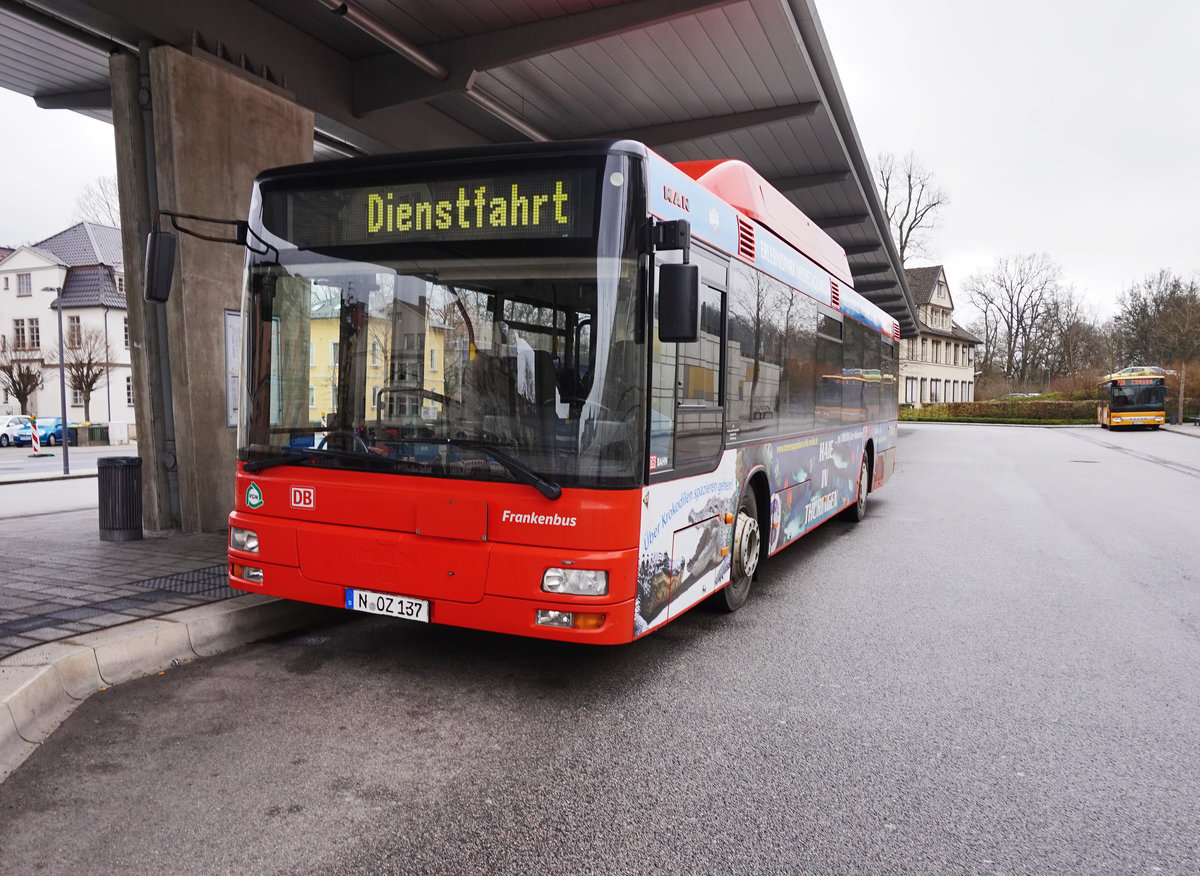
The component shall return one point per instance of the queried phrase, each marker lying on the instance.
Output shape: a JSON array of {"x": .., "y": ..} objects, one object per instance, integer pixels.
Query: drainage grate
[{"x": 213, "y": 580}]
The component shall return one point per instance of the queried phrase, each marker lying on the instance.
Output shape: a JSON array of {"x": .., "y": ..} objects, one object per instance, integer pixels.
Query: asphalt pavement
[{"x": 79, "y": 613}]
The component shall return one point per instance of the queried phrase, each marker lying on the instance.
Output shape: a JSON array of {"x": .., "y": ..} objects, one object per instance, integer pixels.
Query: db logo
[{"x": 304, "y": 497}]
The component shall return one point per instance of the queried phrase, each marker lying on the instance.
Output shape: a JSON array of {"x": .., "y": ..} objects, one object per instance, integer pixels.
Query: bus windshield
[
  {"x": 513, "y": 363},
  {"x": 1130, "y": 396}
]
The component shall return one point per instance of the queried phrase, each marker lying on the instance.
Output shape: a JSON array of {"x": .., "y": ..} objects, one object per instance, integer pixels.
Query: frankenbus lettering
[
  {"x": 478, "y": 208},
  {"x": 538, "y": 519}
]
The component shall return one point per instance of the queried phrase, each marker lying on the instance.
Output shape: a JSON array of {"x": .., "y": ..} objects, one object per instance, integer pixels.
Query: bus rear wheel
[
  {"x": 747, "y": 550},
  {"x": 858, "y": 510}
]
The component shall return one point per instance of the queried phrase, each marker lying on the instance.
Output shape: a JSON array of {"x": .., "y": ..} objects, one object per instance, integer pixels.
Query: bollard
[{"x": 119, "y": 483}]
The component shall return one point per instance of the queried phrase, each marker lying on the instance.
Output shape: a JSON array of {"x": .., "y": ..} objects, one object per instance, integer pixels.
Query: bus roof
[
  {"x": 1134, "y": 371},
  {"x": 737, "y": 183}
]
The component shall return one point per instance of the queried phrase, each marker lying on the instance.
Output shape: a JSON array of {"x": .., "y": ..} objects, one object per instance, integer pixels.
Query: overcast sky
[
  {"x": 1069, "y": 127},
  {"x": 47, "y": 159}
]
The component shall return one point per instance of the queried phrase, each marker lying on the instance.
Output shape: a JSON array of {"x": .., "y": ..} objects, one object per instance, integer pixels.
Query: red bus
[{"x": 565, "y": 390}]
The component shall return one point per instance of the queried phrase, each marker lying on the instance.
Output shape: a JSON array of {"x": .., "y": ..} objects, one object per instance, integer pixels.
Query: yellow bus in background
[{"x": 1134, "y": 396}]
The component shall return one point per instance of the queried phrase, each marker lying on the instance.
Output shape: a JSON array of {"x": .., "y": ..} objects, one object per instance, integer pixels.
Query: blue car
[{"x": 50, "y": 432}]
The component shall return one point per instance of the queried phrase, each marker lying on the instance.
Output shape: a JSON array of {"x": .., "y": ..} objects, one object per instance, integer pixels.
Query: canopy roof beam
[
  {"x": 695, "y": 129},
  {"x": 809, "y": 181},
  {"x": 387, "y": 80}
]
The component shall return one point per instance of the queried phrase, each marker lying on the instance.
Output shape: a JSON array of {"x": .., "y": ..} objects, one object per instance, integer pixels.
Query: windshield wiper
[
  {"x": 313, "y": 456},
  {"x": 272, "y": 461},
  {"x": 519, "y": 470}
]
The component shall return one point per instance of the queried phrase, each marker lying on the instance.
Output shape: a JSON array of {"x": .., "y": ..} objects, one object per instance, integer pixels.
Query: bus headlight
[
  {"x": 577, "y": 582},
  {"x": 243, "y": 540}
]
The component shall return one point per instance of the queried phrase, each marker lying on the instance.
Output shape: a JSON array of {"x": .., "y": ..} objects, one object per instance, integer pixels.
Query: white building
[
  {"x": 939, "y": 364},
  {"x": 85, "y": 262}
]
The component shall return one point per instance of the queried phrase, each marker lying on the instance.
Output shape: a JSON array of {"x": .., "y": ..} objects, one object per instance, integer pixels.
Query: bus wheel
[
  {"x": 858, "y": 510},
  {"x": 747, "y": 548}
]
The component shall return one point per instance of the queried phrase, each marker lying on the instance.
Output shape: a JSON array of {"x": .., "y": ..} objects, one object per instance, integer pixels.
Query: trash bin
[{"x": 119, "y": 482}]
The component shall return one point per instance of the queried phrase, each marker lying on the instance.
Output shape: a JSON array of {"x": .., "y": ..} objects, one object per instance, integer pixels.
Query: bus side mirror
[
  {"x": 160, "y": 265},
  {"x": 679, "y": 303}
]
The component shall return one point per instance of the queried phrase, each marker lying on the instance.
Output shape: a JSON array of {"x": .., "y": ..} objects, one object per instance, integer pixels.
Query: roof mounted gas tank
[{"x": 739, "y": 184}]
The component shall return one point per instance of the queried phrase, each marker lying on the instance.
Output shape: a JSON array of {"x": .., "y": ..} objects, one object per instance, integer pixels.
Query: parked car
[
  {"x": 50, "y": 432},
  {"x": 10, "y": 424}
]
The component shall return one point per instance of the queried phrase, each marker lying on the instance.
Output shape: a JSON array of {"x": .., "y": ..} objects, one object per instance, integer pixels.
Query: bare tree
[
  {"x": 911, "y": 200},
  {"x": 98, "y": 202},
  {"x": 20, "y": 373},
  {"x": 1016, "y": 297},
  {"x": 86, "y": 361}
]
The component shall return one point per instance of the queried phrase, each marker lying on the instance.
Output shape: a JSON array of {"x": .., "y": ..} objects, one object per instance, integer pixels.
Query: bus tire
[
  {"x": 747, "y": 551},
  {"x": 858, "y": 510}
]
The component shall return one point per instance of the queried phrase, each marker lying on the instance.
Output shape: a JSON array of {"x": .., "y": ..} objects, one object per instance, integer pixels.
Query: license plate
[{"x": 389, "y": 604}]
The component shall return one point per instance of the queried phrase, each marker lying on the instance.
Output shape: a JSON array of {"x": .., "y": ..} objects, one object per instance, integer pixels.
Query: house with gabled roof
[
  {"x": 86, "y": 263},
  {"x": 938, "y": 365}
]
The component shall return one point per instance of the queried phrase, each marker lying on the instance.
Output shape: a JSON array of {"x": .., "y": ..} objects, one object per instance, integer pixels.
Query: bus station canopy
[{"x": 693, "y": 79}]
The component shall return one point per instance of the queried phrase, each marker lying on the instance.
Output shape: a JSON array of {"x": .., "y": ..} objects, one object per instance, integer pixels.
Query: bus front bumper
[{"x": 610, "y": 623}]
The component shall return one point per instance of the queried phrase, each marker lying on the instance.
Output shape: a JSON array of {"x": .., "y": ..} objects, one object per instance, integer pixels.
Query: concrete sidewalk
[{"x": 78, "y": 614}]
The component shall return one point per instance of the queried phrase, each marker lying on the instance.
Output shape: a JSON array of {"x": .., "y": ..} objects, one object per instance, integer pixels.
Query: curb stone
[{"x": 41, "y": 686}]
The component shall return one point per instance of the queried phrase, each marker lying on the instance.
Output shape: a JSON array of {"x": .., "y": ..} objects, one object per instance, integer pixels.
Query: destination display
[{"x": 532, "y": 205}]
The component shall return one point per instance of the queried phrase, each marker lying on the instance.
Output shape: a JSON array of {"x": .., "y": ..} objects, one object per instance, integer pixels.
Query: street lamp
[{"x": 62, "y": 381}]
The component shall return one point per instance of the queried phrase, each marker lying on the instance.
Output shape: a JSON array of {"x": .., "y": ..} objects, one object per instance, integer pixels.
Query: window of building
[
  {"x": 18, "y": 334},
  {"x": 376, "y": 350},
  {"x": 312, "y": 396},
  {"x": 924, "y": 349},
  {"x": 129, "y": 391},
  {"x": 35, "y": 335},
  {"x": 924, "y": 390},
  {"x": 6, "y": 284},
  {"x": 24, "y": 284},
  {"x": 433, "y": 359},
  {"x": 74, "y": 332},
  {"x": 934, "y": 390},
  {"x": 76, "y": 398},
  {"x": 126, "y": 333}
]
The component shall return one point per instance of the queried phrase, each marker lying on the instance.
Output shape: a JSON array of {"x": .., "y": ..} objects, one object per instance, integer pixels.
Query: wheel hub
[{"x": 745, "y": 545}]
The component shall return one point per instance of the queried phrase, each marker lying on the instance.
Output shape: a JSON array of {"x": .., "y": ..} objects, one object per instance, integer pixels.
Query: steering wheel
[{"x": 345, "y": 433}]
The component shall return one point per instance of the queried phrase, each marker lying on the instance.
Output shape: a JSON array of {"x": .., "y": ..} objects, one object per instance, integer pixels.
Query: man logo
[{"x": 304, "y": 497}]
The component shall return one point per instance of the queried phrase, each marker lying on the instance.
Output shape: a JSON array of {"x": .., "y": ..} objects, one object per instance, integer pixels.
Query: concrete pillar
[
  {"x": 134, "y": 169},
  {"x": 214, "y": 129}
]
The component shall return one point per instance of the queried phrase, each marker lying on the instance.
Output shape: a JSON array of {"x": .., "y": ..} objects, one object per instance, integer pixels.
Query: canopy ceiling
[{"x": 694, "y": 79}]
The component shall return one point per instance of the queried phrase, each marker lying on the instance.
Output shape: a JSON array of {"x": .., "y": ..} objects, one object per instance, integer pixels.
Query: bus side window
[
  {"x": 761, "y": 310},
  {"x": 828, "y": 371}
]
